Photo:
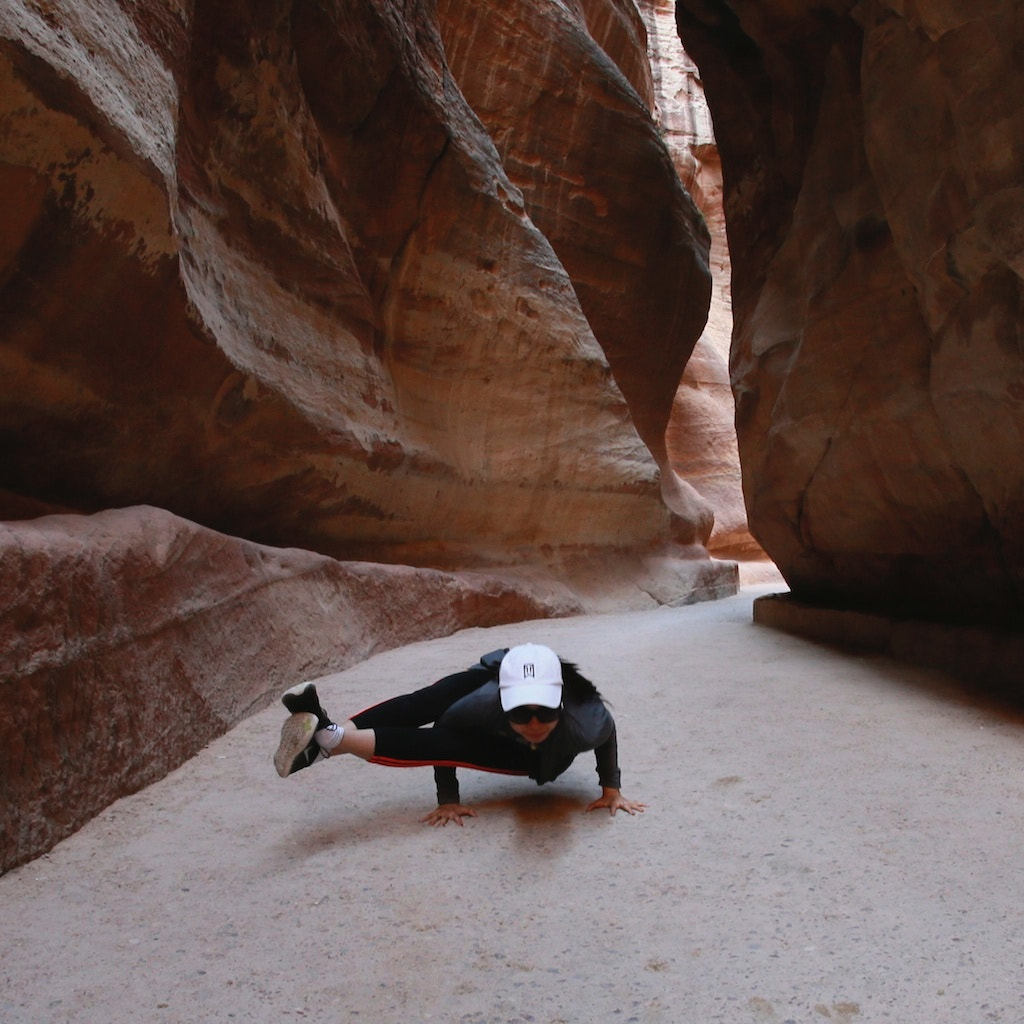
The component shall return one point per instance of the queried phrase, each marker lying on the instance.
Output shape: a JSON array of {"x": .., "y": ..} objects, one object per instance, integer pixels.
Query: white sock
[{"x": 328, "y": 738}]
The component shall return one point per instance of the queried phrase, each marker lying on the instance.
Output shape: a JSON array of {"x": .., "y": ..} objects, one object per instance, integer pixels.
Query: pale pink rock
[
  {"x": 132, "y": 638},
  {"x": 701, "y": 435}
]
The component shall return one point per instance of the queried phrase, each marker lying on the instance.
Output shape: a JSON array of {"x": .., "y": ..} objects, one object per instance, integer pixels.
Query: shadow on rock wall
[{"x": 872, "y": 160}]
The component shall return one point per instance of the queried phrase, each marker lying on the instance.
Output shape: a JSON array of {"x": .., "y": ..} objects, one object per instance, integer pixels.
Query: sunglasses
[{"x": 528, "y": 712}]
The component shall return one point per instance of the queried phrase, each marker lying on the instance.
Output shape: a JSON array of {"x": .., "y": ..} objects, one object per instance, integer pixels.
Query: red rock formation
[
  {"x": 551, "y": 100},
  {"x": 873, "y": 167},
  {"x": 701, "y": 435},
  {"x": 262, "y": 265},
  {"x": 137, "y": 637},
  {"x": 279, "y": 281}
]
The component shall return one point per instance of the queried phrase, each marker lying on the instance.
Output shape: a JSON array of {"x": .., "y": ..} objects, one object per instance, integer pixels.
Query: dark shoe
[
  {"x": 297, "y": 749},
  {"x": 304, "y": 698}
]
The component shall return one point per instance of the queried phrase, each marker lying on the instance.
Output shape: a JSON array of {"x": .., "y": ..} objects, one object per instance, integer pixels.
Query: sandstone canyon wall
[
  {"x": 292, "y": 293},
  {"x": 267, "y": 268},
  {"x": 873, "y": 161}
]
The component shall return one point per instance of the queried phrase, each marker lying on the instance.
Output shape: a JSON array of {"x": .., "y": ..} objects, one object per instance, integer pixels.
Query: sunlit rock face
[
  {"x": 271, "y": 267},
  {"x": 565, "y": 92},
  {"x": 873, "y": 165},
  {"x": 701, "y": 436}
]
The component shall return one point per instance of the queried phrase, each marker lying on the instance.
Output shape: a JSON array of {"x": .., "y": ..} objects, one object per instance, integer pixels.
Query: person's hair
[{"x": 576, "y": 684}]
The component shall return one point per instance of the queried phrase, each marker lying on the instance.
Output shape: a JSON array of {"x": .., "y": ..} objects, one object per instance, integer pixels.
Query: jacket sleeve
[
  {"x": 607, "y": 757},
  {"x": 447, "y": 784},
  {"x": 479, "y": 710}
]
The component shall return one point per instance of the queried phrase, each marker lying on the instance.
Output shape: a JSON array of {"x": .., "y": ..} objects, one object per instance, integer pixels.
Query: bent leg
[
  {"x": 455, "y": 748},
  {"x": 407, "y": 747},
  {"x": 391, "y": 733},
  {"x": 411, "y": 710}
]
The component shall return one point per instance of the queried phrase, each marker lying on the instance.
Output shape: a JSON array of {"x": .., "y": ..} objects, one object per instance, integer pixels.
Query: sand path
[{"x": 828, "y": 839}]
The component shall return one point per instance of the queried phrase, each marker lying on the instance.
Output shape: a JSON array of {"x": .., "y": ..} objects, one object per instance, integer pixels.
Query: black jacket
[{"x": 584, "y": 724}]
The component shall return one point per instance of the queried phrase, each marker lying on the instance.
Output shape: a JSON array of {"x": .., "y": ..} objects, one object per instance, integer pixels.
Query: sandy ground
[{"x": 828, "y": 839}]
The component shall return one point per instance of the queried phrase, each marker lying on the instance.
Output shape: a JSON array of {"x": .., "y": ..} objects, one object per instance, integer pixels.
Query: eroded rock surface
[
  {"x": 132, "y": 638},
  {"x": 873, "y": 162},
  {"x": 553, "y": 89},
  {"x": 266, "y": 268},
  {"x": 274, "y": 268}
]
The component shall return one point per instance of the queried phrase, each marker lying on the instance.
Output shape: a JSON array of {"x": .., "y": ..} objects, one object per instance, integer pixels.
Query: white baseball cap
[{"x": 530, "y": 674}]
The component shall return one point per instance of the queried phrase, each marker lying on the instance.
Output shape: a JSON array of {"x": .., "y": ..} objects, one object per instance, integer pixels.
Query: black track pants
[{"x": 402, "y": 742}]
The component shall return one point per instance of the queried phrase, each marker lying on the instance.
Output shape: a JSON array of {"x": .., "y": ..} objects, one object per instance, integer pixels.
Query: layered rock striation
[
  {"x": 287, "y": 288},
  {"x": 701, "y": 436},
  {"x": 273, "y": 268}
]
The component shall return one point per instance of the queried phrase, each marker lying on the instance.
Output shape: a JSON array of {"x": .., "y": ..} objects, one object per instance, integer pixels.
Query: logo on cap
[{"x": 528, "y": 672}]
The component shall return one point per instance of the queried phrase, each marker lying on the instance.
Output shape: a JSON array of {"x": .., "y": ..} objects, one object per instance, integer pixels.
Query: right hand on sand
[{"x": 444, "y": 813}]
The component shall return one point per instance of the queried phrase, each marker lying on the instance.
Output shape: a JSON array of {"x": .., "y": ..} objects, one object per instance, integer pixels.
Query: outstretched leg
[{"x": 391, "y": 732}]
